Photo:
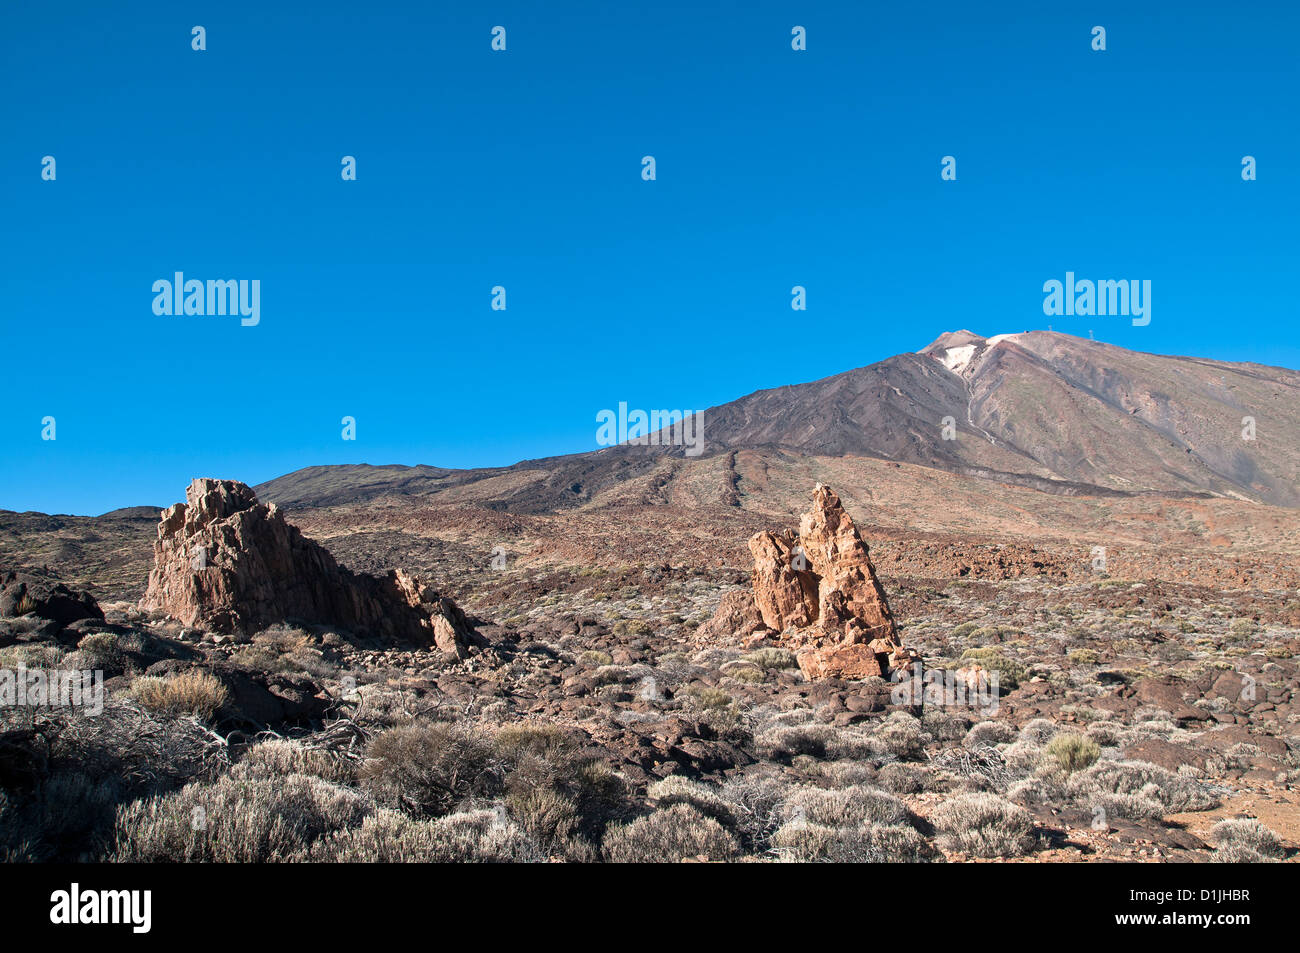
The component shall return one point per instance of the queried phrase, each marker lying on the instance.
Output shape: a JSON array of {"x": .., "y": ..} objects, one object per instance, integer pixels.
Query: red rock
[
  {"x": 850, "y": 662},
  {"x": 785, "y": 592},
  {"x": 820, "y": 592},
  {"x": 227, "y": 563},
  {"x": 737, "y": 615}
]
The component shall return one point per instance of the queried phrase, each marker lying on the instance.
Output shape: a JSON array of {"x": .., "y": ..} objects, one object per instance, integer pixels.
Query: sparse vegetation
[{"x": 195, "y": 693}]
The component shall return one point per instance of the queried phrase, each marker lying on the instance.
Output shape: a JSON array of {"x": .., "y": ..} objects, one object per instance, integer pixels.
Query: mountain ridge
[{"x": 1038, "y": 408}]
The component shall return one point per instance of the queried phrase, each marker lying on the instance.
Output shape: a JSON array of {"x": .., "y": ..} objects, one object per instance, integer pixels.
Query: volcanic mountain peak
[
  {"x": 961, "y": 351},
  {"x": 1039, "y": 409}
]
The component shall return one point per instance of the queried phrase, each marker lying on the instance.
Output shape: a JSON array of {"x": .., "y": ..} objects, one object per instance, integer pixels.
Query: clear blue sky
[{"x": 522, "y": 169}]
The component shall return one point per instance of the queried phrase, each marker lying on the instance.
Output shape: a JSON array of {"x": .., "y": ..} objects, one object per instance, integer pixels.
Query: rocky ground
[{"x": 1147, "y": 708}]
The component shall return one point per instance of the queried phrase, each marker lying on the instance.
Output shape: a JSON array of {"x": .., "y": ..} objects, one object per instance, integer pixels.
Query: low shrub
[{"x": 677, "y": 833}]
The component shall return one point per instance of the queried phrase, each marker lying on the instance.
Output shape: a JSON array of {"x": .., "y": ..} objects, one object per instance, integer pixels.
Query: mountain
[{"x": 1038, "y": 409}]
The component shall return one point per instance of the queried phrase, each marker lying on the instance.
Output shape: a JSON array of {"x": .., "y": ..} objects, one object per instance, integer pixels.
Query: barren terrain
[{"x": 1144, "y": 698}]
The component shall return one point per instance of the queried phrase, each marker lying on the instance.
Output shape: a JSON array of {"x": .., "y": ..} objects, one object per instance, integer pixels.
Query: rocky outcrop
[
  {"x": 45, "y": 597},
  {"x": 819, "y": 591},
  {"x": 736, "y": 617},
  {"x": 227, "y": 563}
]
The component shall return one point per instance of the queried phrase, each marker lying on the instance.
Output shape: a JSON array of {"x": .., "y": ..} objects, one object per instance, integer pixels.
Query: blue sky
[{"x": 522, "y": 169}]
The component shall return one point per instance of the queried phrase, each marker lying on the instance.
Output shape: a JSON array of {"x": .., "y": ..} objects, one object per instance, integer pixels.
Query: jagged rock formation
[
  {"x": 227, "y": 563},
  {"x": 818, "y": 589}
]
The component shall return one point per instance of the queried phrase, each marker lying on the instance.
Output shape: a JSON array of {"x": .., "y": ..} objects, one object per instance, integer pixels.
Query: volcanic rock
[
  {"x": 45, "y": 597},
  {"x": 737, "y": 615},
  {"x": 820, "y": 591},
  {"x": 227, "y": 563}
]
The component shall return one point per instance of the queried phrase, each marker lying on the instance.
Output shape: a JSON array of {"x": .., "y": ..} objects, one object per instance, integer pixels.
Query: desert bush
[
  {"x": 66, "y": 817},
  {"x": 845, "y": 807},
  {"x": 1083, "y": 657},
  {"x": 705, "y": 697},
  {"x": 427, "y": 769},
  {"x": 772, "y": 658},
  {"x": 804, "y": 843},
  {"x": 900, "y": 778},
  {"x": 99, "y": 651},
  {"x": 784, "y": 742},
  {"x": 278, "y": 756},
  {"x": 475, "y": 837},
  {"x": 234, "y": 820},
  {"x": 706, "y": 799},
  {"x": 944, "y": 725},
  {"x": 285, "y": 649},
  {"x": 982, "y": 767},
  {"x": 1173, "y": 792},
  {"x": 1039, "y": 730},
  {"x": 983, "y": 825},
  {"x": 594, "y": 658},
  {"x": 1242, "y": 840},
  {"x": 755, "y": 805},
  {"x": 1069, "y": 752},
  {"x": 989, "y": 733},
  {"x": 843, "y": 773},
  {"x": 669, "y": 836},
  {"x": 1023, "y": 756},
  {"x": 195, "y": 692},
  {"x": 1135, "y": 807},
  {"x": 746, "y": 674},
  {"x": 902, "y": 735},
  {"x": 1039, "y": 789},
  {"x": 81, "y": 766},
  {"x": 556, "y": 785},
  {"x": 31, "y": 656},
  {"x": 1108, "y": 734}
]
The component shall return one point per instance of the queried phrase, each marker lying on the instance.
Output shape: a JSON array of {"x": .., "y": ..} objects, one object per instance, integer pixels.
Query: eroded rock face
[
  {"x": 819, "y": 590},
  {"x": 225, "y": 562}
]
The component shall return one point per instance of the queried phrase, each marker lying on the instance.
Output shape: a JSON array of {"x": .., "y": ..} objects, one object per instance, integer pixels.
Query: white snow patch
[
  {"x": 1003, "y": 337},
  {"x": 955, "y": 358}
]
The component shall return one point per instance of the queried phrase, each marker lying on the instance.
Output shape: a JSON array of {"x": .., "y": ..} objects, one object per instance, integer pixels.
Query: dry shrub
[
  {"x": 983, "y": 825},
  {"x": 706, "y": 799},
  {"x": 846, "y": 807},
  {"x": 902, "y": 735},
  {"x": 802, "y": 842},
  {"x": 1243, "y": 840},
  {"x": 989, "y": 733},
  {"x": 772, "y": 658},
  {"x": 669, "y": 836},
  {"x": 557, "y": 785},
  {"x": 1173, "y": 792},
  {"x": 195, "y": 692},
  {"x": 428, "y": 769},
  {"x": 1068, "y": 753},
  {"x": 385, "y": 837},
  {"x": 279, "y": 756},
  {"x": 236, "y": 820}
]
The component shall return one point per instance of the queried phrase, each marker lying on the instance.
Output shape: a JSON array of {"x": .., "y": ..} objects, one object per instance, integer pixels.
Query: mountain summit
[{"x": 1048, "y": 410}]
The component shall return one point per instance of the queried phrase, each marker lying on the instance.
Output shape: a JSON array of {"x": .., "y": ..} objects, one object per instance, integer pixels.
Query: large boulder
[
  {"x": 227, "y": 563},
  {"x": 44, "y": 596},
  {"x": 819, "y": 591}
]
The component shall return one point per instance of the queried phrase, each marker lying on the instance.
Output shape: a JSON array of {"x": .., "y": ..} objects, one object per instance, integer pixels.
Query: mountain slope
[{"x": 1038, "y": 409}]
